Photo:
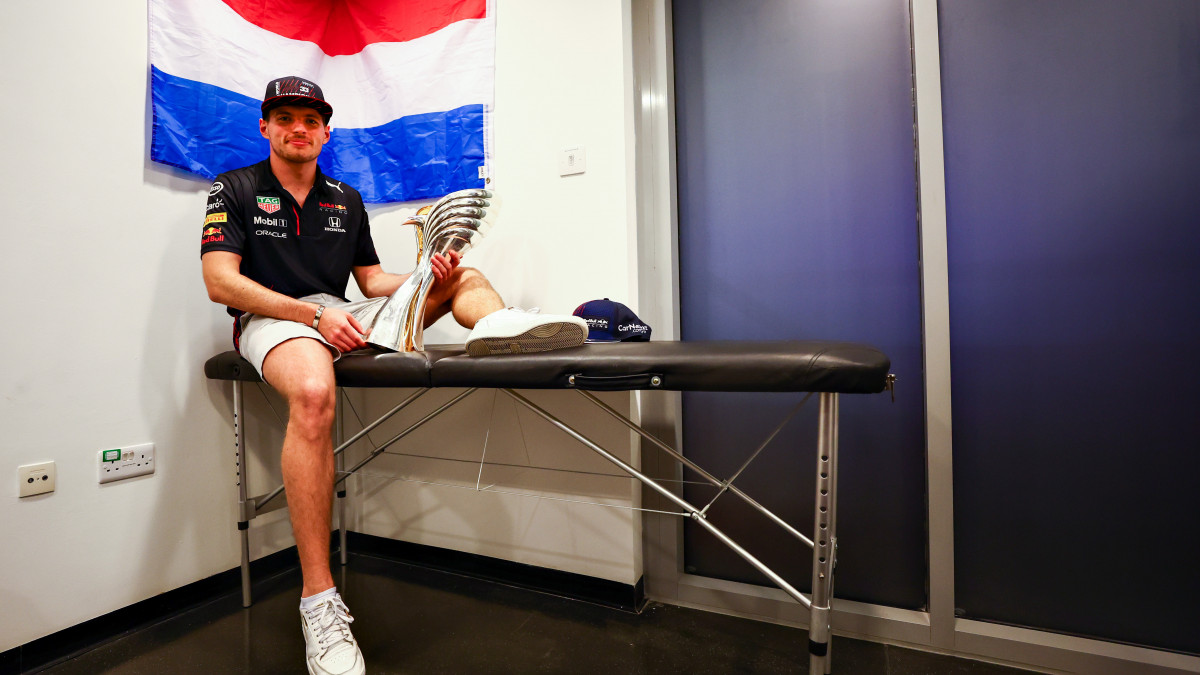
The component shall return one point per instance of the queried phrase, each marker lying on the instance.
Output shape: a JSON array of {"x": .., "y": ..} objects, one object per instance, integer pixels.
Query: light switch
[{"x": 572, "y": 161}]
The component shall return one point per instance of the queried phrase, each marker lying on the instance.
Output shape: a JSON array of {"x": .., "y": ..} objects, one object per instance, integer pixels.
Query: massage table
[{"x": 824, "y": 368}]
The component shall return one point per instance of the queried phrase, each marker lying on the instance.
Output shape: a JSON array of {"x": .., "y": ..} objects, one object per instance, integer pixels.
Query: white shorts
[{"x": 261, "y": 334}]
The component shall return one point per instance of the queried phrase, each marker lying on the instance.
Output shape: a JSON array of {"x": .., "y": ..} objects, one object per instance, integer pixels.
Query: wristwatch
[{"x": 317, "y": 318}]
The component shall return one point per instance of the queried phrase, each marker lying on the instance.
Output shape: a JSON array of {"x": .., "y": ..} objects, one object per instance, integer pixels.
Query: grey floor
[{"x": 415, "y": 620}]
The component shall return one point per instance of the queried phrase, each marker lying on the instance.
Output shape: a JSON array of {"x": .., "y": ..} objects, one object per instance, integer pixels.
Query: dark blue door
[
  {"x": 1073, "y": 195},
  {"x": 797, "y": 220}
]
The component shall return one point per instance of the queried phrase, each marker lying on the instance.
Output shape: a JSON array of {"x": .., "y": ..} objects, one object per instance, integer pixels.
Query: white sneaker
[
  {"x": 519, "y": 331},
  {"x": 331, "y": 649}
]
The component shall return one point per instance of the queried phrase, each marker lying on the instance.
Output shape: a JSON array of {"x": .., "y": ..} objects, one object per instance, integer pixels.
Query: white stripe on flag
[{"x": 206, "y": 41}]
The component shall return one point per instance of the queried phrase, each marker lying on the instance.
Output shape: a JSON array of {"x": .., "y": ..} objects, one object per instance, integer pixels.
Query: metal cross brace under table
[{"x": 824, "y": 547}]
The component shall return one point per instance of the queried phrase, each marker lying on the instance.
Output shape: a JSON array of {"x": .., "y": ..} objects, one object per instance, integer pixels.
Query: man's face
[{"x": 296, "y": 134}]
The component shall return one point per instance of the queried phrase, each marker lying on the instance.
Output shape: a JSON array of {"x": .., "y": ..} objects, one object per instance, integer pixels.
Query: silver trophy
[{"x": 452, "y": 224}]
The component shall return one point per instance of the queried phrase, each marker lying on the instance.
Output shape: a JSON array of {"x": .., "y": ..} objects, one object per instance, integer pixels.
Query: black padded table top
[
  {"x": 401, "y": 369},
  {"x": 836, "y": 367}
]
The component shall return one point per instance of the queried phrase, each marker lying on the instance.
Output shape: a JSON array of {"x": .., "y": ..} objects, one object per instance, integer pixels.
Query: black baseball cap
[
  {"x": 610, "y": 321},
  {"x": 292, "y": 90}
]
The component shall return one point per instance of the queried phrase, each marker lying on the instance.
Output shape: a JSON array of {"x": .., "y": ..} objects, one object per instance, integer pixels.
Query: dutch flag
[{"x": 411, "y": 84}]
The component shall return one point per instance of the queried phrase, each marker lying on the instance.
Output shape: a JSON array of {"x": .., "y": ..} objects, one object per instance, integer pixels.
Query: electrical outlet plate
[
  {"x": 35, "y": 479},
  {"x": 121, "y": 463}
]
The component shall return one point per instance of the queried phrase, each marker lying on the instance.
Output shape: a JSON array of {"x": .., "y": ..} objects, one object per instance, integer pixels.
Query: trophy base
[{"x": 383, "y": 348}]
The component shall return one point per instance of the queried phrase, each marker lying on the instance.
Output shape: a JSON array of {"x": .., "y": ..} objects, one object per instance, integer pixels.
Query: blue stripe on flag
[{"x": 206, "y": 130}]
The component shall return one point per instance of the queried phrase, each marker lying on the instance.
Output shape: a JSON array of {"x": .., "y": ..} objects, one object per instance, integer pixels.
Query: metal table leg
[
  {"x": 824, "y": 535},
  {"x": 240, "y": 459},
  {"x": 340, "y": 466}
]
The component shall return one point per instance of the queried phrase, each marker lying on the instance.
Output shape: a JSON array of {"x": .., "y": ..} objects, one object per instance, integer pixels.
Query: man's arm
[
  {"x": 227, "y": 285},
  {"x": 375, "y": 283}
]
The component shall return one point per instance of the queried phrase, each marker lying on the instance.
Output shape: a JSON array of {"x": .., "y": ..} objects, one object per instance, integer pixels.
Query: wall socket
[
  {"x": 121, "y": 463},
  {"x": 35, "y": 479}
]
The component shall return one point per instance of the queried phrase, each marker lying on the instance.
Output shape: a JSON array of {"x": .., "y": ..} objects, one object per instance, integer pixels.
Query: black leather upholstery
[
  {"x": 839, "y": 367},
  {"x": 679, "y": 366}
]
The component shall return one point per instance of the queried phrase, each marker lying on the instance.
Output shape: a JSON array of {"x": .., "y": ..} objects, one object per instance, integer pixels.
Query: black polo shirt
[{"x": 288, "y": 249}]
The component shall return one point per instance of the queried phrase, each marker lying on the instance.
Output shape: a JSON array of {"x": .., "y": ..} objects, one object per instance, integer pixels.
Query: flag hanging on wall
[{"x": 411, "y": 84}]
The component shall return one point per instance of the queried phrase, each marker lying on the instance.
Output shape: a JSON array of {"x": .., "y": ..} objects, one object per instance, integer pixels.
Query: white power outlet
[
  {"x": 121, "y": 463},
  {"x": 35, "y": 479}
]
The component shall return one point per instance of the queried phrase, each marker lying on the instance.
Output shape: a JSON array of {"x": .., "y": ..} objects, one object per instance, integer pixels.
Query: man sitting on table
[{"x": 279, "y": 243}]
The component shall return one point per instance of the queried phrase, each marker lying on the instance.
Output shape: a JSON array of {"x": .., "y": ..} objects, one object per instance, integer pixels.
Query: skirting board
[{"x": 1022, "y": 647}]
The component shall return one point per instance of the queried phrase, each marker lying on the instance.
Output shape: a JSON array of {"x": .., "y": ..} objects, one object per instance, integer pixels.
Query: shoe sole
[{"x": 541, "y": 338}]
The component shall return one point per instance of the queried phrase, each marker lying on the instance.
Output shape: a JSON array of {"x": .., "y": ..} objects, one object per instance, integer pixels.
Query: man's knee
[
  {"x": 312, "y": 400},
  {"x": 461, "y": 279},
  {"x": 302, "y": 371},
  {"x": 464, "y": 276}
]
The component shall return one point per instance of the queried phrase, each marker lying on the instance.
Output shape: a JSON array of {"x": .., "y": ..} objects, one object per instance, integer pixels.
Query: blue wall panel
[
  {"x": 797, "y": 219},
  {"x": 1073, "y": 194}
]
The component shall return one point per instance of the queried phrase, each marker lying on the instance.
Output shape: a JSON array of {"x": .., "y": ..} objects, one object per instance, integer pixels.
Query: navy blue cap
[
  {"x": 292, "y": 90},
  {"x": 610, "y": 321}
]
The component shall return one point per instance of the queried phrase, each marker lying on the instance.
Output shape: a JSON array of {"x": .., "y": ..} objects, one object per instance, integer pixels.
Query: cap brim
[{"x": 304, "y": 101}]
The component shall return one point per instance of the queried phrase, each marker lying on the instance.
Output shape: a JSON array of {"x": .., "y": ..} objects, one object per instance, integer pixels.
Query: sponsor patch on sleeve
[
  {"x": 215, "y": 218},
  {"x": 211, "y": 235}
]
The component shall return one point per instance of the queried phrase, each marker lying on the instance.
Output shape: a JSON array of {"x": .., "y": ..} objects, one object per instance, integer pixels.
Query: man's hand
[
  {"x": 443, "y": 266},
  {"x": 341, "y": 330}
]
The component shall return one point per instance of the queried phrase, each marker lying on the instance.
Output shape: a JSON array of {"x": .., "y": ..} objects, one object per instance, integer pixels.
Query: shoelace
[{"x": 331, "y": 620}]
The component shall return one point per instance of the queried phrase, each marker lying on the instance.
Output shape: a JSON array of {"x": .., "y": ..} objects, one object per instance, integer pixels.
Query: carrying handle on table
[{"x": 616, "y": 382}]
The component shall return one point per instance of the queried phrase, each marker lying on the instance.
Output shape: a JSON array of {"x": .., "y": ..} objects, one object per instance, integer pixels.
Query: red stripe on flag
[{"x": 341, "y": 27}]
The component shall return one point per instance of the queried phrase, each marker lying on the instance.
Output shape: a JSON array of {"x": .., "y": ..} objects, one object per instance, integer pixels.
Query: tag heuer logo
[{"x": 268, "y": 204}]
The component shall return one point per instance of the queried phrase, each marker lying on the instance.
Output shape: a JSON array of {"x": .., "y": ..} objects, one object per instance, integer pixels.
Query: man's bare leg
[
  {"x": 301, "y": 370},
  {"x": 470, "y": 297},
  {"x": 467, "y": 294}
]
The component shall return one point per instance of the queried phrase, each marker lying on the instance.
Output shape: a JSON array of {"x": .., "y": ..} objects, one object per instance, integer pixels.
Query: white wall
[
  {"x": 561, "y": 81},
  {"x": 105, "y": 346}
]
